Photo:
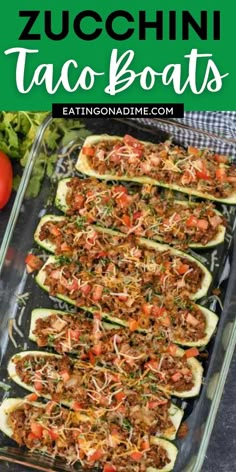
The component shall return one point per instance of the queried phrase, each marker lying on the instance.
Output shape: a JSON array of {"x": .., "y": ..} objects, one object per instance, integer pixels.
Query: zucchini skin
[
  {"x": 82, "y": 165},
  {"x": 60, "y": 202}
]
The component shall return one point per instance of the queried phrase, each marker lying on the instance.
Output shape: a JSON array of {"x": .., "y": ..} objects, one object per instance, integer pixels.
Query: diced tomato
[
  {"x": 136, "y": 456},
  {"x": 157, "y": 311},
  {"x": 38, "y": 385},
  {"x": 123, "y": 200},
  {"x": 133, "y": 142},
  {"x": 203, "y": 175},
  {"x": 119, "y": 189},
  {"x": 65, "y": 375},
  {"x": 221, "y": 173},
  {"x": 36, "y": 429},
  {"x": 97, "y": 349},
  {"x": 192, "y": 320},
  {"x": 123, "y": 297},
  {"x": 78, "y": 201},
  {"x": 120, "y": 396},
  {"x": 33, "y": 263},
  {"x": 53, "y": 434},
  {"x": 97, "y": 293},
  {"x": 91, "y": 357},
  {"x": 95, "y": 456},
  {"x": 76, "y": 406},
  {"x": 73, "y": 334},
  {"x": 109, "y": 468},
  {"x": 202, "y": 224},
  {"x": 32, "y": 397},
  {"x": 152, "y": 363},
  {"x": 172, "y": 349},
  {"x": 137, "y": 215},
  {"x": 145, "y": 445},
  {"x": 86, "y": 289},
  {"x": 221, "y": 159},
  {"x": 177, "y": 376},
  {"x": 191, "y": 221},
  {"x": 191, "y": 352},
  {"x": 101, "y": 254},
  {"x": 183, "y": 268},
  {"x": 193, "y": 150},
  {"x": 88, "y": 151},
  {"x": 147, "y": 309},
  {"x": 126, "y": 220},
  {"x": 133, "y": 325}
]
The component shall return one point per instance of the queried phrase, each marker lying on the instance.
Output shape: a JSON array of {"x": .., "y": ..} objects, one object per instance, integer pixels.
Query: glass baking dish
[{"x": 19, "y": 294}]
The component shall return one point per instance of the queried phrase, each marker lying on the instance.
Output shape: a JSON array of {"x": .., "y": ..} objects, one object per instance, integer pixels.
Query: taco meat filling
[
  {"x": 57, "y": 431},
  {"x": 201, "y": 170},
  {"x": 143, "y": 212}
]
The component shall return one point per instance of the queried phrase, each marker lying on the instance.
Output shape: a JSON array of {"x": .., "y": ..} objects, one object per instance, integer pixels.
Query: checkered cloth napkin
[{"x": 215, "y": 130}]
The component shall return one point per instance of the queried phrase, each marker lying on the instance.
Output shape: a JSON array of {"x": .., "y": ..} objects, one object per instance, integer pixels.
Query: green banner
[{"x": 117, "y": 52}]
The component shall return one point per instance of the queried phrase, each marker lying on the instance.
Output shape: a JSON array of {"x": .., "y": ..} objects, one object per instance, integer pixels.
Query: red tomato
[
  {"x": 6, "y": 177},
  {"x": 133, "y": 325},
  {"x": 109, "y": 468},
  {"x": 88, "y": 150},
  {"x": 32, "y": 397},
  {"x": 33, "y": 262},
  {"x": 36, "y": 429},
  {"x": 177, "y": 376},
  {"x": 97, "y": 349},
  {"x": 97, "y": 293},
  {"x": 126, "y": 220},
  {"x": 133, "y": 142},
  {"x": 158, "y": 311},
  {"x": 191, "y": 352},
  {"x": 53, "y": 434},
  {"x": 191, "y": 221},
  {"x": 76, "y": 406},
  {"x": 95, "y": 456},
  {"x": 202, "y": 174},
  {"x": 136, "y": 456},
  {"x": 182, "y": 269},
  {"x": 172, "y": 348},
  {"x": 221, "y": 173},
  {"x": 202, "y": 224}
]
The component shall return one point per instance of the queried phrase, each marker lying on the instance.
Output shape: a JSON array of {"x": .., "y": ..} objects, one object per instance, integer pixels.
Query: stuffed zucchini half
[
  {"x": 143, "y": 212},
  {"x": 67, "y": 332},
  {"x": 192, "y": 171},
  {"x": 103, "y": 251},
  {"x": 41, "y": 428},
  {"x": 77, "y": 386},
  {"x": 182, "y": 378}
]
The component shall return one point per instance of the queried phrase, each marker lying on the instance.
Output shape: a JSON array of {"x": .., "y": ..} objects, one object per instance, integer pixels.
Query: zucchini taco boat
[
  {"x": 56, "y": 431},
  {"x": 193, "y": 171},
  {"x": 108, "y": 255},
  {"x": 66, "y": 380},
  {"x": 97, "y": 392},
  {"x": 67, "y": 332},
  {"x": 142, "y": 212}
]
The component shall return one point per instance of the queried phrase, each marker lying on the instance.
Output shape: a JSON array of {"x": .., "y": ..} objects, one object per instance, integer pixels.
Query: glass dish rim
[{"x": 232, "y": 337}]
